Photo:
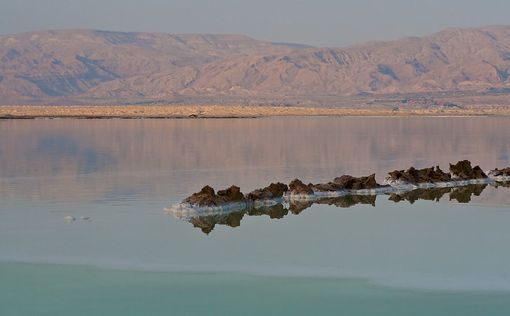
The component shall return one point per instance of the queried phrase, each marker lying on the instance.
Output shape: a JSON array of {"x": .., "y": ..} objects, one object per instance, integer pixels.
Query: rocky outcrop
[
  {"x": 462, "y": 170},
  {"x": 415, "y": 176},
  {"x": 500, "y": 172},
  {"x": 273, "y": 191},
  {"x": 207, "y": 197},
  {"x": 296, "y": 186},
  {"x": 462, "y": 192},
  {"x": 204, "y": 197},
  {"x": 347, "y": 182},
  {"x": 427, "y": 179},
  {"x": 232, "y": 194}
]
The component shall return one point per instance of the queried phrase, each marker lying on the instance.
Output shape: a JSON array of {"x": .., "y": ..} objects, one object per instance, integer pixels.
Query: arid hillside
[{"x": 81, "y": 66}]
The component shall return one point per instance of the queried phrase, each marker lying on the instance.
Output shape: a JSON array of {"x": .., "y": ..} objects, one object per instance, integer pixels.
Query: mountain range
[{"x": 87, "y": 66}]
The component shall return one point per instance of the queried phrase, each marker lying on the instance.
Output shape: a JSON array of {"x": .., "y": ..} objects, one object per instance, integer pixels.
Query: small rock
[
  {"x": 232, "y": 194},
  {"x": 500, "y": 172},
  {"x": 274, "y": 190},
  {"x": 69, "y": 218},
  {"x": 353, "y": 183},
  {"x": 415, "y": 176},
  {"x": 296, "y": 186},
  {"x": 207, "y": 196},
  {"x": 463, "y": 170}
]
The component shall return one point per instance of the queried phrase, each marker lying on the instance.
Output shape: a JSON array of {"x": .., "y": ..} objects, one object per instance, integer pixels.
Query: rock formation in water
[
  {"x": 296, "y": 186},
  {"x": 233, "y": 218},
  {"x": 207, "y": 196},
  {"x": 347, "y": 184},
  {"x": 505, "y": 172},
  {"x": 462, "y": 170},
  {"x": 415, "y": 176},
  {"x": 273, "y": 191},
  {"x": 343, "y": 183}
]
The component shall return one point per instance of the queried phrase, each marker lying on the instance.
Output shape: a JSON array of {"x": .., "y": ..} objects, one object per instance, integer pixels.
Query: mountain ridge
[{"x": 77, "y": 66}]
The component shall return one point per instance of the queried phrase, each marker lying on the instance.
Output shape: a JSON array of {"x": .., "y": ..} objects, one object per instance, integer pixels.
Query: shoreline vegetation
[{"x": 227, "y": 111}]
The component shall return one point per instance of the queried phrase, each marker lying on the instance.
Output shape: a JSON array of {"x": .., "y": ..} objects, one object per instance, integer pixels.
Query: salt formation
[{"x": 297, "y": 193}]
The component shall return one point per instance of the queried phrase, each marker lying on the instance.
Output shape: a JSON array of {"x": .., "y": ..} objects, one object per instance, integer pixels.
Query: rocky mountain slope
[{"x": 77, "y": 66}]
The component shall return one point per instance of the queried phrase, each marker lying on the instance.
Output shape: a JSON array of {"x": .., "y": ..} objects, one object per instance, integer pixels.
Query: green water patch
[{"x": 40, "y": 289}]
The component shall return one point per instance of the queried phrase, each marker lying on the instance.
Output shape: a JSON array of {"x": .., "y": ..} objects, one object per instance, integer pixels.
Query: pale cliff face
[{"x": 95, "y": 65}]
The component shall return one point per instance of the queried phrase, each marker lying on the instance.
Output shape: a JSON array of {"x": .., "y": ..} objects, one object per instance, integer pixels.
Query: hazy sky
[{"x": 318, "y": 22}]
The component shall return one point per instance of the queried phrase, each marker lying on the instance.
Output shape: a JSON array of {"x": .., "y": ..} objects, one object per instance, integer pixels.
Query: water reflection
[
  {"x": 460, "y": 194},
  {"x": 87, "y": 160},
  {"x": 207, "y": 223}
]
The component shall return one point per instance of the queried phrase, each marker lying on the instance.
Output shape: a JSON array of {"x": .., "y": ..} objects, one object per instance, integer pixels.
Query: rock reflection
[
  {"x": 460, "y": 194},
  {"x": 86, "y": 160},
  {"x": 502, "y": 184},
  {"x": 277, "y": 211},
  {"x": 207, "y": 223},
  {"x": 464, "y": 194},
  {"x": 434, "y": 194}
]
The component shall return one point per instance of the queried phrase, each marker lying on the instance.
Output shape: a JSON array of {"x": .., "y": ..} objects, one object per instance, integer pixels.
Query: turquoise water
[
  {"x": 130, "y": 257},
  {"x": 65, "y": 290}
]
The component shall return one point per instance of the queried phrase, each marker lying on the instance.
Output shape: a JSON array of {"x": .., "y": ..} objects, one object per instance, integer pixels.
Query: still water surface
[{"x": 131, "y": 258}]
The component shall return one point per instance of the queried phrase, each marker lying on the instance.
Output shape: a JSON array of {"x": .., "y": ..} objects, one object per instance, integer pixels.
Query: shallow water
[{"x": 393, "y": 258}]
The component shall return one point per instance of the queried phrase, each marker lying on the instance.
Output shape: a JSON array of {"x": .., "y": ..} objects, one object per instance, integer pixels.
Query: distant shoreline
[{"x": 225, "y": 111}]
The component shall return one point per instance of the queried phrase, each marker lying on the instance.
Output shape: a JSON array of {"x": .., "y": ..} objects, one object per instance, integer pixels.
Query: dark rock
[
  {"x": 326, "y": 187},
  {"x": 463, "y": 170},
  {"x": 353, "y": 183},
  {"x": 273, "y": 191},
  {"x": 347, "y": 182},
  {"x": 500, "y": 172},
  {"x": 207, "y": 197},
  {"x": 232, "y": 194},
  {"x": 298, "y": 187},
  {"x": 415, "y": 176}
]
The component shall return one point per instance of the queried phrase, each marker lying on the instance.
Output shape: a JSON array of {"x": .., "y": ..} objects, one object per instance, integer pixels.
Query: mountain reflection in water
[{"x": 207, "y": 223}]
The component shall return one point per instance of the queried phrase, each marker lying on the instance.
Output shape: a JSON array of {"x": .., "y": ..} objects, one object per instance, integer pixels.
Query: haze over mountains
[{"x": 82, "y": 66}]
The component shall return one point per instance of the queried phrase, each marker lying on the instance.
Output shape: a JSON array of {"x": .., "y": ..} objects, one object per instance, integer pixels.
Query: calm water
[{"x": 428, "y": 257}]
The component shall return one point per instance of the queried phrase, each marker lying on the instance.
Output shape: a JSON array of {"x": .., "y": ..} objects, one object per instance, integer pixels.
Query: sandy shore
[{"x": 223, "y": 111}]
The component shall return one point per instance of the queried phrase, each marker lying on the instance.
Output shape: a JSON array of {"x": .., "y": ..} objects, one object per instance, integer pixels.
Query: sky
[{"x": 318, "y": 22}]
